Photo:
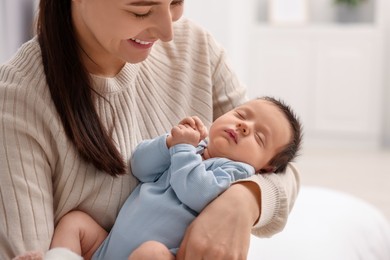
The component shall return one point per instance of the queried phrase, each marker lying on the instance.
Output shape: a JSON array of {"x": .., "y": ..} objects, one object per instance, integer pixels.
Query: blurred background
[{"x": 329, "y": 59}]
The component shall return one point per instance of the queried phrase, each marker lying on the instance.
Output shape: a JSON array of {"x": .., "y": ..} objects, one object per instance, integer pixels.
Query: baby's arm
[
  {"x": 150, "y": 159},
  {"x": 196, "y": 186}
]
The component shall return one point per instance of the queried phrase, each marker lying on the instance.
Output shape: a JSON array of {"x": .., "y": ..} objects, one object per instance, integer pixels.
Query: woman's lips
[
  {"x": 140, "y": 43},
  {"x": 232, "y": 134}
]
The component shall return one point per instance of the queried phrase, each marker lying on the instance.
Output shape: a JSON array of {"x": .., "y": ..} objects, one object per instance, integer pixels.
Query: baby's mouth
[{"x": 232, "y": 134}]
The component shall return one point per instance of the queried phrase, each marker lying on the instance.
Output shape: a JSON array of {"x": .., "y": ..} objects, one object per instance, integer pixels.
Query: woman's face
[{"x": 112, "y": 32}]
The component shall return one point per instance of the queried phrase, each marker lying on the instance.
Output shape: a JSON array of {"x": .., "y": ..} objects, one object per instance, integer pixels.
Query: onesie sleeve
[
  {"x": 150, "y": 159},
  {"x": 194, "y": 184}
]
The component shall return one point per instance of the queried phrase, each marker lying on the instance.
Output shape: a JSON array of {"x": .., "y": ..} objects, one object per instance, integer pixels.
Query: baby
[{"x": 180, "y": 173}]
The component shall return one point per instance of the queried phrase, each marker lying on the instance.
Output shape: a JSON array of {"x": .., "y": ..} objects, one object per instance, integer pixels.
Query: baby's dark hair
[{"x": 280, "y": 161}]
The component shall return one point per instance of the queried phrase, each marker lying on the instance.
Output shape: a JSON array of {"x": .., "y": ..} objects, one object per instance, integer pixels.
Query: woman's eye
[
  {"x": 179, "y": 2},
  {"x": 142, "y": 15}
]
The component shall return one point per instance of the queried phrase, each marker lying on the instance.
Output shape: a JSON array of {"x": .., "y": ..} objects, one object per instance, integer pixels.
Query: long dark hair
[{"x": 70, "y": 87}]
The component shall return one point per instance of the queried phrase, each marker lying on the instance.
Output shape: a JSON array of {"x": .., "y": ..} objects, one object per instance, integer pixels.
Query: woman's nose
[{"x": 164, "y": 27}]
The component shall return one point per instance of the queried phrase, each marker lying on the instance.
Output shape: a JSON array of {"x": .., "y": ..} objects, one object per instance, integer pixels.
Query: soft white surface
[
  {"x": 60, "y": 253},
  {"x": 327, "y": 224}
]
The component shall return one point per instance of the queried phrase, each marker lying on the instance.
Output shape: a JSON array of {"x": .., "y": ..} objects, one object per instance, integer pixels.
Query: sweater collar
[{"x": 125, "y": 77}]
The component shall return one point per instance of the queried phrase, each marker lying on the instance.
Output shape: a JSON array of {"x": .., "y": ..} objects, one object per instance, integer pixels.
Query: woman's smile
[{"x": 140, "y": 44}]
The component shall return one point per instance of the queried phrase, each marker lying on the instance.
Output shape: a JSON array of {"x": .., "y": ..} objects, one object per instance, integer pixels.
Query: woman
[{"x": 101, "y": 76}]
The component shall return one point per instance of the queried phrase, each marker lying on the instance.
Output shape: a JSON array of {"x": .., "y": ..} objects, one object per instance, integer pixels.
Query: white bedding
[{"x": 327, "y": 225}]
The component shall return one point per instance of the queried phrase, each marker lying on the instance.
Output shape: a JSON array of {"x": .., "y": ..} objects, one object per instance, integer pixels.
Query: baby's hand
[
  {"x": 196, "y": 124},
  {"x": 184, "y": 134},
  {"x": 189, "y": 131}
]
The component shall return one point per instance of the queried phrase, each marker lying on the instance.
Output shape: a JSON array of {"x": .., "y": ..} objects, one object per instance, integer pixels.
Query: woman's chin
[{"x": 137, "y": 58}]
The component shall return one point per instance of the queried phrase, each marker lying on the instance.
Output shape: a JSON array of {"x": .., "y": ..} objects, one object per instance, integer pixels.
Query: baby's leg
[
  {"x": 78, "y": 232},
  {"x": 152, "y": 250}
]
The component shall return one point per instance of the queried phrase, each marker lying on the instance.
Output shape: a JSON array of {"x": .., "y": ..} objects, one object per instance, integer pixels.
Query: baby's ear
[{"x": 268, "y": 169}]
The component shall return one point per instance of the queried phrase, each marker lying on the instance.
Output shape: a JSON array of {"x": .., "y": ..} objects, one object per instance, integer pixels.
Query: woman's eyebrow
[{"x": 144, "y": 3}]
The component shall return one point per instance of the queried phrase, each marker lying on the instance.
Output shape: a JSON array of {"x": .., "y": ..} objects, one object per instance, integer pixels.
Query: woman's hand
[{"x": 222, "y": 230}]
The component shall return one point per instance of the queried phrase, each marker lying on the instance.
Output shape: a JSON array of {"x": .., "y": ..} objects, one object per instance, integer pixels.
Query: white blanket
[{"x": 327, "y": 225}]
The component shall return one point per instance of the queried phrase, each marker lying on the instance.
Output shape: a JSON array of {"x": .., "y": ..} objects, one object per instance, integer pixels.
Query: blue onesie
[{"x": 176, "y": 184}]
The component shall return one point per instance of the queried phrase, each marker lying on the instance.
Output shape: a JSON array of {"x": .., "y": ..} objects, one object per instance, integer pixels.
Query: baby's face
[{"x": 252, "y": 133}]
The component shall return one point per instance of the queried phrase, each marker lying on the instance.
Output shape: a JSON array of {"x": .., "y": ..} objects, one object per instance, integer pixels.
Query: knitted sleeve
[
  {"x": 278, "y": 195},
  {"x": 26, "y": 163}
]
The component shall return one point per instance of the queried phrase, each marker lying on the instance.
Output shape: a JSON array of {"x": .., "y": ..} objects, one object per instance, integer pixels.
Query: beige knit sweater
[{"x": 41, "y": 175}]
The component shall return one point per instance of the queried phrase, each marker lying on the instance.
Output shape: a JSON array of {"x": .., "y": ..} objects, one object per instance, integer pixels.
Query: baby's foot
[{"x": 31, "y": 255}]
